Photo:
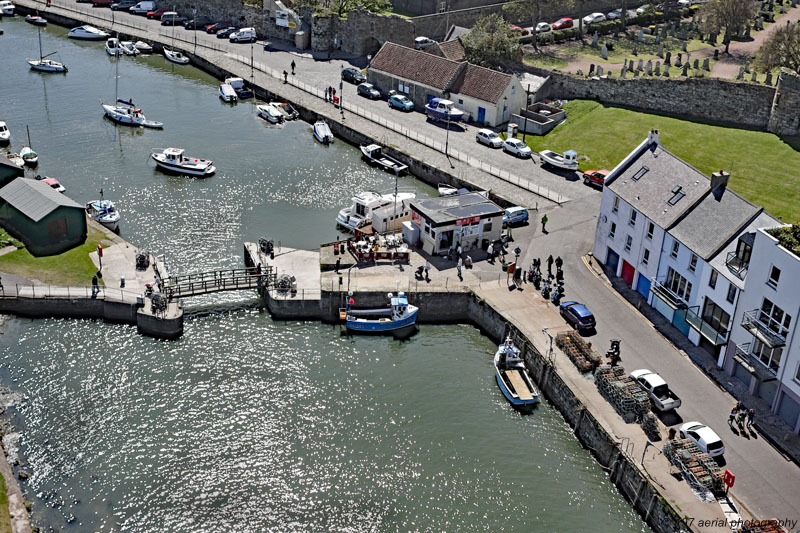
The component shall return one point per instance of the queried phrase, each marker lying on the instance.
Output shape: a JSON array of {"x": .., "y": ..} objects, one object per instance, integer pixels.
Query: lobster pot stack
[
  {"x": 622, "y": 392},
  {"x": 650, "y": 426},
  {"x": 695, "y": 464},
  {"x": 578, "y": 350}
]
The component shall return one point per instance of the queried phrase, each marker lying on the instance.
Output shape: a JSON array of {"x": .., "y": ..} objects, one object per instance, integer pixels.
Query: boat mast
[
  {"x": 39, "y": 31},
  {"x": 29, "y": 137},
  {"x": 394, "y": 226}
]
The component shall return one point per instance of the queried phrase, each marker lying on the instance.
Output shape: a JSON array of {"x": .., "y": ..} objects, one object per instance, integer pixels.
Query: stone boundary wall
[
  {"x": 785, "y": 113},
  {"x": 361, "y": 33}
]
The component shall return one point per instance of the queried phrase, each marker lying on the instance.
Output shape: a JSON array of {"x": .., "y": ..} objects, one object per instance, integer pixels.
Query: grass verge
[
  {"x": 544, "y": 61},
  {"x": 71, "y": 267},
  {"x": 762, "y": 165},
  {"x": 5, "y": 516}
]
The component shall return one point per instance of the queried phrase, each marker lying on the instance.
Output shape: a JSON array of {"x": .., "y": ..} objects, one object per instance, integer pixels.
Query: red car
[
  {"x": 595, "y": 178},
  {"x": 214, "y": 28},
  {"x": 157, "y": 13},
  {"x": 563, "y": 24},
  {"x": 520, "y": 30}
]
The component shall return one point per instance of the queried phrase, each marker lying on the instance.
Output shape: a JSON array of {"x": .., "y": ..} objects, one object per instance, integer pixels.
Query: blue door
[
  {"x": 430, "y": 97},
  {"x": 612, "y": 261},
  {"x": 679, "y": 321},
  {"x": 643, "y": 286},
  {"x": 481, "y": 115}
]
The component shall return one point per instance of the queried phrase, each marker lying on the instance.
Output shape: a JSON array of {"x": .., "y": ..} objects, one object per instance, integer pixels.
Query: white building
[
  {"x": 468, "y": 220},
  {"x": 764, "y": 351}
]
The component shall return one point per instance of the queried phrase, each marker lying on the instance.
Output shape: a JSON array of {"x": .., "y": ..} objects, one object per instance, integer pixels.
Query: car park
[
  {"x": 225, "y": 33},
  {"x": 353, "y": 76},
  {"x": 171, "y": 18},
  {"x": 217, "y": 26},
  {"x": 144, "y": 7},
  {"x": 368, "y": 90},
  {"x": 595, "y": 178},
  {"x": 563, "y": 23},
  {"x": 517, "y": 148},
  {"x": 198, "y": 23},
  {"x": 123, "y": 5},
  {"x": 614, "y": 15},
  {"x": 245, "y": 35},
  {"x": 704, "y": 437},
  {"x": 543, "y": 27},
  {"x": 654, "y": 385},
  {"x": 577, "y": 315},
  {"x": 489, "y": 138},
  {"x": 594, "y": 18},
  {"x": 401, "y": 102},
  {"x": 514, "y": 216},
  {"x": 423, "y": 42},
  {"x": 156, "y": 14}
]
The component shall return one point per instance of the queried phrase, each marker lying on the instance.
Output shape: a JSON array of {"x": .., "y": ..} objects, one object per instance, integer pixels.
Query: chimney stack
[
  {"x": 652, "y": 137},
  {"x": 719, "y": 180}
]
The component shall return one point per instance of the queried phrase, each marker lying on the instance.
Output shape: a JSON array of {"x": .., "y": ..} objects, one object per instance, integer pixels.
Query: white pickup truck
[{"x": 658, "y": 390}]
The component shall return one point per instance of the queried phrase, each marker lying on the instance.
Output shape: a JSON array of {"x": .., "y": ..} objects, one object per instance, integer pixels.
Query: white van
[
  {"x": 245, "y": 35},
  {"x": 143, "y": 7}
]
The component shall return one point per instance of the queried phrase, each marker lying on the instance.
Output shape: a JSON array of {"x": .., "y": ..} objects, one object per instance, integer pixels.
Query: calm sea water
[{"x": 246, "y": 424}]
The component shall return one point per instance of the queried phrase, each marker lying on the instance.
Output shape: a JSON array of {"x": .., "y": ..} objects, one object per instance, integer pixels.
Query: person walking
[
  {"x": 427, "y": 270},
  {"x": 94, "y": 286},
  {"x": 333, "y": 95},
  {"x": 326, "y": 94},
  {"x": 550, "y": 265},
  {"x": 285, "y": 77},
  {"x": 741, "y": 417},
  {"x": 732, "y": 417},
  {"x": 293, "y": 67},
  {"x": 559, "y": 262},
  {"x": 751, "y": 417},
  {"x": 544, "y": 223},
  {"x": 490, "y": 253},
  {"x": 458, "y": 251},
  {"x": 458, "y": 268}
]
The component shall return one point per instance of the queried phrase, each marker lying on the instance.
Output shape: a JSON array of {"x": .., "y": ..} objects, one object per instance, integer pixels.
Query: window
[
  {"x": 639, "y": 173},
  {"x": 774, "y": 318},
  {"x": 743, "y": 251},
  {"x": 678, "y": 285},
  {"x": 693, "y": 263},
  {"x": 769, "y": 357},
  {"x": 513, "y": 89},
  {"x": 646, "y": 256},
  {"x": 460, "y": 101},
  {"x": 628, "y": 243},
  {"x": 616, "y": 204},
  {"x": 731, "y": 293},
  {"x": 632, "y": 220},
  {"x": 774, "y": 276},
  {"x": 715, "y": 316},
  {"x": 613, "y": 230},
  {"x": 712, "y": 281},
  {"x": 651, "y": 228},
  {"x": 487, "y": 227},
  {"x": 675, "y": 247},
  {"x": 677, "y": 194}
]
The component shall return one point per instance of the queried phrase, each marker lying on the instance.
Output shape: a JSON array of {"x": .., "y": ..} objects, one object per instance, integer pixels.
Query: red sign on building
[{"x": 467, "y": 221}]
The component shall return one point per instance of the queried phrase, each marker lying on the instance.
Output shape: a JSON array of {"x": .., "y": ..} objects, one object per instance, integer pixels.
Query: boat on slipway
[
  {"x": 105, "y": 212},
  {"x": 322, "y": 132},
  {"x": 445, "y": 110},
  {"x": 568, "y": 160},
  {"x": 399, "y": 318},
  {"x": 513, "y": 378},
  {"x": 173, "y": 160}
]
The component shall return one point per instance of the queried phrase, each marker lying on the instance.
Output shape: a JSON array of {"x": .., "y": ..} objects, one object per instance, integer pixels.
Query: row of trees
[{"x": 342, "y": 7}]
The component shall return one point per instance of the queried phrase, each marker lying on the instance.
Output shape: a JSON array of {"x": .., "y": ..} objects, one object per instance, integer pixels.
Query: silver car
[{"x": 489, "y": 138}]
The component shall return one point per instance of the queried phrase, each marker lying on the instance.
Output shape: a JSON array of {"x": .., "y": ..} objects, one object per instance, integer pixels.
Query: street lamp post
[
  {"x": 525, "y": 126},
  {"x": 341, "y": 92},
  {"x": 194, "y": 25}
]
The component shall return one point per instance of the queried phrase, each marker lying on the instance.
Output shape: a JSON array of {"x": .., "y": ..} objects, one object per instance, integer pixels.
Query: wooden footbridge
[{"x": 218, "y": 281}]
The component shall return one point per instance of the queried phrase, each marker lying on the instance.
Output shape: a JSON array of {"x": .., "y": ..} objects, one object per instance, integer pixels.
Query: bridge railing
[
  {"x": 217, "y": 281},
  {"x": 68, "y": 292}
]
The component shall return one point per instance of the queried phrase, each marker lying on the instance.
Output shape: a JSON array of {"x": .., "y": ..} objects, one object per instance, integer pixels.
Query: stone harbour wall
[{"x": 239, "y": 14}]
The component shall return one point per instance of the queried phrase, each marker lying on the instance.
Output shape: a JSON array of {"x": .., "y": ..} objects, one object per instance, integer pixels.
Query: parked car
[
  {"x": 577, "y": 315},
  {"x": 654, "y": 385},
  {"x": 489, "y": 138},
  {"x": 102, "y": 3},
  {"x": 543, "y": 27},
  {"x": 401, "y": 102},
  {"x": 368, "y": 90},
  {"x": 226, "y": 33},
  {"x": 144, "y": 7},
  {"x": 594, "y": 18},
  {"x": 217, "y": 26},
  {"x": 517, "y": 148},
  {"x": 353, "y": 75},
  {"x": 123, "y": 4},
  {"x": 514, "y": 216},
  {"x": 520, "y": 30},
  {"x": 644, "y": 9},
  {"x": 171, "y": 18},
  {"x": 705, "y": 438},
  {"x": 596, "y": 178},
  {"x": 686, "y": 3},
  {"x": 423, "y": 42},
  {"x": 614, "y": 15},
  {"x": 198, "y": 23},
  {"x": 155, "y": 14},
  {"x": 245, "y": 35},
  {"x": 563, "y": 23}
]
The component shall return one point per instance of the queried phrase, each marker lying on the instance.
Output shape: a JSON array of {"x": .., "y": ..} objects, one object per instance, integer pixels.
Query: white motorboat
[
  {"x": 6, "y": 7},
  {"x": 16, "y": 159},
  {"x": 45, "y": 65},
  {"x": 288, "y": 111},
  {"x": 113, "y": 47},
  {"x": 227, "y": 93},
  {"x": 5, "y": 133},
  {"x": 373, "y": 153},
  {"x": 513, "y": 378},
  {"x": 446, "y": 190},
  {"x": 441, "y": 109},
  {"x": 238, "y": 85},
  {"x": 52, "y": 182},
  {"x": 360, "y": 213},
  {"x": 175, "y": 57},
  {"x": 322, "y": 132},
  {"x": 36, "y": 20},
  {"x": 105, "y": 212},
  {"x": 270, "y": 113},
  {"x": 568, "y": 161},
  {"x": 129, "y": 49},
  {"x": 143, "y": 47},
  {"x": 87, "y": 33},
  {"x": 173, "y": 160}
]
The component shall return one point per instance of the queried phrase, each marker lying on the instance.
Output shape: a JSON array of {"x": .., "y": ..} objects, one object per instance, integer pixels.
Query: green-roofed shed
[
  {"x": 41, "y": 217},
  {"x": 9, "y": 171}
]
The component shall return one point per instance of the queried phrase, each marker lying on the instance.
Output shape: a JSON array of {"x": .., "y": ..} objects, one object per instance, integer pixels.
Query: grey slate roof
[
  {"x": 651, "y": 193},
  {"x": 446, "y": 209},
  {"x": 455, "y": 32},
  {"x": 35, "y": 199},
  {"x": 416, "y": 66}
]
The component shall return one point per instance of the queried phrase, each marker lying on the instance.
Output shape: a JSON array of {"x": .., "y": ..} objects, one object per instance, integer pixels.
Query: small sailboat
[
  {"x": 269, "y": 112},
  {"x": 43, "y": 64},
  {"x": 5, "y": 133},
  {"x": 175, "y": 57},
  {"x": 227, "y": 93},
  {"x": 27, "y": 154},
  {"x": 567, "y": 161},
  {"x": 446, "y": 190},
  {"x": 36, "y": 20},
  {"x": 173, "y": 160},
  {"x": 143, "y": 47},
  {"x": 124, "y": 111},
  {"x": 322, "y": 132},
  {"x": 513, "y": 378},
  {"x": 399, "y": 318},
  {"x": 104, "y": 211}
]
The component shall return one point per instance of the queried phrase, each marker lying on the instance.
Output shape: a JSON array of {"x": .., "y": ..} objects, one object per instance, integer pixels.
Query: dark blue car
[{"x": 577, "y": 315}]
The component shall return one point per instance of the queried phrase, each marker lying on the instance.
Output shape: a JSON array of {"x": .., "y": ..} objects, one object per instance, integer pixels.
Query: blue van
[{"x": 514, "y": 216}]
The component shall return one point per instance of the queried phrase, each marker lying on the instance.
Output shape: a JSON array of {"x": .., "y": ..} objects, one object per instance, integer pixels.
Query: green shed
[
  {"x": 41, "y": 217},
  {"x": 9, "y": 171}
]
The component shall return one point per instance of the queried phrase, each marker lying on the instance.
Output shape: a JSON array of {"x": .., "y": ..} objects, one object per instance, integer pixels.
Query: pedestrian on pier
[
  {"x": 544, "y": 223},
  {"x": 490, "y": 253},
  {"x": 94, "y": 286},
  {"x": 550, "y": 266},
  {"x": 293, "y": 66},
  {"x": 732, "y": 417},
  {"x": 427, "y": 270},
  {"x": 326, "y": 94},
  {"x": 338, "y": 264},
  {"x": 285, "y": 76},
  {"x": 741, "y": 417},
  {"x": 751, "y": 417},
  {"x": 333, "y": 95},
  {"x": 458, "y": 268},
  {"x": 559, "y": 263}
]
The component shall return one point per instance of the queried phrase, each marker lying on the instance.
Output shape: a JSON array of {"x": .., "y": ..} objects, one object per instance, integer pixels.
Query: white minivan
[
  {"x": 143, "y": 7},
  {"x": 245, "y": 35}
]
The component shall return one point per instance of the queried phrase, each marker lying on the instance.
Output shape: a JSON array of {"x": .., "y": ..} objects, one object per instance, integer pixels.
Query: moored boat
[
  {"x": 513, "y": 378},
  {"x": 52, "y": 182},
  {"x": 7, "y": 8},
  {"x": 124, "y": 112},
  {"x": 175, "y": 57},
  {"x": 36, "y": 20},
  {"x": 289, "y": 112},
  {"x": 16, "y": 159},
  {"x": 105, "y": 212},
  {"x": 441, "y": 109},
  {"x": 129, "y": 49},
  {"x": 173, "y": 160},
  {"x": 446, "y": 190},
  {"x": 242, "y": 91},
  {"x": 5, "y": 133},
  {"x": 322, "y": 132},
  {"x": 113, "y": 47},
  {"x": 143, "y": 47},
  {"x": 227, "y": 93},
  {"x": 42, "y": 64},
  {"x": 270, "y": 113},
  {"x": 568, "y": 160},
  {"x": 373, "y": 153},
  {"x": 87, "y": 33},
  {"x": 399, "y": 318},
  {"x": 30, "y": 157}
]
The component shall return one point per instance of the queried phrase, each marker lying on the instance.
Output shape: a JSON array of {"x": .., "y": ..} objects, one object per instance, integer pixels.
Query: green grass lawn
[
  {"x": 762, "y": 165},
  {"x": 71, "y": 267},
  {"x": 623, "y": 49},
  {"x": 544, "y": 61},
  {"x": 5, "y": 516}
]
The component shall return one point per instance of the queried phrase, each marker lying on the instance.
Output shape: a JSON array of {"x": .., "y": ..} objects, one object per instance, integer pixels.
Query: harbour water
[{"x": 245, "y": 423}]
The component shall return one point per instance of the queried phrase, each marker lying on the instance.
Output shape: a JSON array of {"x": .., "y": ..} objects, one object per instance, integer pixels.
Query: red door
[{"x": 627, "y": 272}]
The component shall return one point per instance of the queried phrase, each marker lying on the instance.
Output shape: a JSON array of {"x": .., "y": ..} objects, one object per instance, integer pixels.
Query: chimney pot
[{"x": 719, "y": 180}]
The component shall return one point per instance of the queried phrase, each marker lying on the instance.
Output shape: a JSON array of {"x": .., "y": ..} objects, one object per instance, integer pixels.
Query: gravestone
[
  {"x": 740, "y": 76},
  {"x": 747, "y": 66},
  {"x": 648, "y": 68},
  {"x": 684, "y": 46},
  {"x": 658, "y": 69},
  {"x": 625, "y": 64},
  {"x": 660, "y": 51},
  {"x": 580, "y": 72},
  {"x": 641, "y": 36},
  {"x": 685, "y": 71},
  {"x": 716, "y": 54},
  {"x": 706, "y": 65},
  {"x": 696, "y": 64},
  {"x": 595, "y": 39},
  {"x": 754, "y": 77},
  {"x": 768, "y": 81},
  {"x": 623, "y": 73},
  {"x": 679, "y": 61},
  {"x": 658, "y": 40},
  {"x": 616, "y": 33},
  {"x": 635, "y": 51},
  {"x": 668, "y": 60},
  {"x": 664, "y": 31},
  {"x": 599, "y": 70},
  {"x": 640, "y": 65},
  {"x": 635, "y": 73},
  {"x": 604, "y": 52},
  {"x": 666, "y": 72},
  {"x": 740, "y": 33},
  {"x": 630, "y": 66},
  {"x": 591, "y": 69}
]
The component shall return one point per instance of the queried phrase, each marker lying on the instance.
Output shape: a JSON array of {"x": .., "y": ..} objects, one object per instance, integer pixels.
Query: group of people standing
[
  {"x": 742, "y": 416},
  {"x": 330, "y": 94}
]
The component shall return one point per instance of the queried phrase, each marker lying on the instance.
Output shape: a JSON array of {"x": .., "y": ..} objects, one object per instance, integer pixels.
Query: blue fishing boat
[
  {"x": 398, "y": 318},
  {"x": 441, "y": 109},
  {"x": 513, "y": 378}
]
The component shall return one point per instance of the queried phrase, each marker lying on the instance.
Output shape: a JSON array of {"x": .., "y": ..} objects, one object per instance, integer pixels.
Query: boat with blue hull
[
  {"x": 513, "y": 378},
  {"x": 444, "y": 110},
  {"x": 399, "y": 318}
]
